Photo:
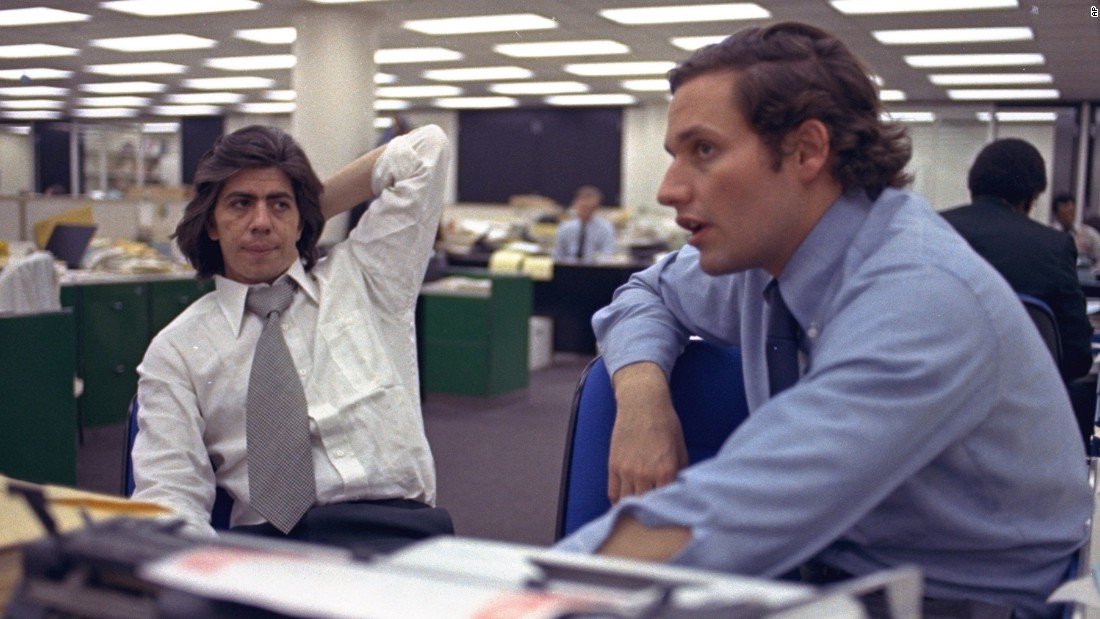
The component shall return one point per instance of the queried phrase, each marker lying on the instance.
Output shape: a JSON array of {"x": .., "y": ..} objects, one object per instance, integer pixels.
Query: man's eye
[{"x": 704, "y": 149}]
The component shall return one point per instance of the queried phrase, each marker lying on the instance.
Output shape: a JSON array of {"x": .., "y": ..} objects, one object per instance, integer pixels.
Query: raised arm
[{"x": 351, "y": 185}]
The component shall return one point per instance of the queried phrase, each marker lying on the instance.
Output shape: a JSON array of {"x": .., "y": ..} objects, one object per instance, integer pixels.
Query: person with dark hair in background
[
  {"x": 293, "y": 385},
  {"x": 903, "y": 409},
  {"x": 587, "y": 236},
  {"x": 1064, "y": 211}
]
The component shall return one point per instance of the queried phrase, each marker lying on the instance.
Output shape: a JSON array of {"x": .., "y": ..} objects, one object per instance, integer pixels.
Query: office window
[{"x": 548, "y": 152}]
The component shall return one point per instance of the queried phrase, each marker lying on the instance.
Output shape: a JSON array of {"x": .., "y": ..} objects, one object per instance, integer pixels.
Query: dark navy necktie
[
  {"x": 581, "y": 239},
  {"x": 781, "y": 344}
]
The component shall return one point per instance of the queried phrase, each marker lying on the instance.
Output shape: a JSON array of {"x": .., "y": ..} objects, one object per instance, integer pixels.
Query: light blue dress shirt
[
  {"x": 599, "y": 239},
  {"x": 930, "y": 425}
]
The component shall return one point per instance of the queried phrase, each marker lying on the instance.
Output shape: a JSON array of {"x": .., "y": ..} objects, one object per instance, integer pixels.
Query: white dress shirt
[{"x": 351, "y": 333}]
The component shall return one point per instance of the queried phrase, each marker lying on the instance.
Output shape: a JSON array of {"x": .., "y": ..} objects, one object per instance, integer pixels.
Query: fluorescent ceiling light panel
[
  {"x": 33, "y": 104},
  {"x": 186, "y": 110},
  {"x": 35, "y": 74},
  {"x": 538, "y": 88},
  {"x": 653, "y": 85},
  {"x": 30, "y": 115},
  {"x": 105, "y": 112},
  {"x": 116, "y": 88},
  {"x": 17, "y": 129},
  {"x": 154, "y": 43},
  {"x": 984, "y": 94},
  {"x": 167, "y": 8},
  {"x": 909, "y": 117},
  {"x": 390, "y": 105},
  {"x": 483, "y": 23},
  {"x": 989, "y": 79},
  {"x": 280, "y": 95},
  {"x": 554, "y": 49},
  {"x": 399, "y": 92},
  {"x": 596, "y": 69},
  {"x": 476, "y": 74},
  {"x": 678, "y": 14},
  {"x": 478, "y": 103},
  {"x": 571, "y": 100},
  {"x": 160, "y": 128},
  {"x": 383, "y": 122},
  {"x": 114, "y": 101},
  {"x": 36, "y": 50},
  {"x": 205, "y": 98},
  {"x": 33, "y": 91},
  {"x": 36, "y": 16},
  {"x": 932, "y": 61},
  {"x": 270, "y": 107},
  {"x": 693, "y": 43},
  {"x": 385, "y": 78},
  {"x": 953, "y": 35},
  {"x": 137, "y": 68},
  {"x": 252, "y": 63},
  {"x": 343, "y": 1},
  {"x": 1019, "y": 117},
  {"x": 228, "y": 83},
  {"x": 872, "y": 7},
  {"x": 404, "y": 55},
  {"x": 889, "y": 94},
  {"x": 268, "y": 36}
]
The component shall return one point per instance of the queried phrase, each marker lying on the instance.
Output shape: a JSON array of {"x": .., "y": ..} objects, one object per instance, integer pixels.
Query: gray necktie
[{"x": 280, "y": 461}]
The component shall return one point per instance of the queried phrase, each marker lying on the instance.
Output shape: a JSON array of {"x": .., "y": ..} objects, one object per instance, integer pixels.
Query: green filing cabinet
[
  {"x": 170, "y": 297},
  {"x": 113, "y": 332},
  {"x": 475, "y": 341},
  {"x": 38, "y": 409}
]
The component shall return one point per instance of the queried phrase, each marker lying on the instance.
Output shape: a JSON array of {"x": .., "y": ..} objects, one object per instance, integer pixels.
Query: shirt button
[
  {"x": 339, "y": 453},
  {"x": 812, "y": 332},
  {"x": 285, "y": 326},
  {"x": 303, "y": 372}
]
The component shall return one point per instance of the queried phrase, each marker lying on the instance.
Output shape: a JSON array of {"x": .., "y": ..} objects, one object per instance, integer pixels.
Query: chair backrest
[
  {"x": 708, "y": 393},
  {"x": 223, "y": 503},
  {"x": 1043, "y": 317}
]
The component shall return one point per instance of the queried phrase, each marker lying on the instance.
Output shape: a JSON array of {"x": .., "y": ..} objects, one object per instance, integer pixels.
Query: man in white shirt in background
[
  {"x": 364, "y": 465},
  {"x": 1087, "y": 239},
  {"x": 587, "y": 236}
]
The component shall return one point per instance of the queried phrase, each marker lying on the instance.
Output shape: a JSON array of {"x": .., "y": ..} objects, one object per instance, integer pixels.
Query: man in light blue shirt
[
  {"x": 588, "y": 236},
  {"x": 928, "y": 424}
]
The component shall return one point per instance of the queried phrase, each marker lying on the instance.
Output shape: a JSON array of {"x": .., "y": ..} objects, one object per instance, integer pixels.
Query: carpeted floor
[{"x": 498, "y": 459}]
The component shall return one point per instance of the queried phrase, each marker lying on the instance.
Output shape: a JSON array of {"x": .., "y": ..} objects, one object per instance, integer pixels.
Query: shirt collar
[{"x": 231, "y": 294}]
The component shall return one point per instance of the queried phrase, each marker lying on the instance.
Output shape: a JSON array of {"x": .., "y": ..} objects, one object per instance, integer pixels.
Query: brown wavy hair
[
  {"x": 791, "y": 72},
  {"x": 254, "y": 146}
]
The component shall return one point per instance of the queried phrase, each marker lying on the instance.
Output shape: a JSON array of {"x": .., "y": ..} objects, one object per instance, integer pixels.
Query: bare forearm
[
  {"x": 351, "y": 185},
  {"x": 631, "y": 539}
]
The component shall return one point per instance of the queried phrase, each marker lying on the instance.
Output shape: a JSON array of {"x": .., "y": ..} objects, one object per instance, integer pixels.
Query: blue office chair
[
  {"x": 709, "y": 396},
  {"x": 1043, "y": 317},
  {"x": 223, "y": 503}
]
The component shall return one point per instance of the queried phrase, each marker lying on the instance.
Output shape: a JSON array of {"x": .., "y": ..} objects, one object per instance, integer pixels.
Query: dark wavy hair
[
  {"x": 1011, "y": 169},
  {"x": 255, "y": 146},
  {"x": 790, "y": 72}
]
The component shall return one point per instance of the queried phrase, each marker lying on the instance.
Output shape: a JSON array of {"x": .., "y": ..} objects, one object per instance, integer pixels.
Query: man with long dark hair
[
  {"x": 903, "y": 408},
  {"x": 293, "y": 385}
]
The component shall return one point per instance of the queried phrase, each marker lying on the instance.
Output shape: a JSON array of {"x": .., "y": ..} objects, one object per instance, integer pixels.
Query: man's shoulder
[{"x": 193, "y": 316}]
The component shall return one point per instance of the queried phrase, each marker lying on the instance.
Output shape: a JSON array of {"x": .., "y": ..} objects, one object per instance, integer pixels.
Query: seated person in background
[
  {"x": 1004, "y": 181},
  {"x": 1086, "y": 238},
  {"x": 351, "y": 465},
  {"x": 903, "y": 408},
  {"x": 587, "y": 236}
]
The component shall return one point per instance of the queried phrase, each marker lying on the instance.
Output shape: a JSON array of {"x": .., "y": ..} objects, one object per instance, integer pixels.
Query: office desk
[
  {"x": 576, "y": 292},
  {"x": 1090, "y": 285}
]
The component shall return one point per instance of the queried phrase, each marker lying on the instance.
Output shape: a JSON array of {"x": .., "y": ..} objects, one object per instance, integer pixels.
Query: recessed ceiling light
[
  {"x": 30, "y": 115},
  {"x": 989, "y": 79},
  {"x": 953, "y": 35},
  {"x": 33, "y": 91},
  {"x": 475, "y": 103},
  {"x": 538, "y": 88},
  {"x": 228, "y": 83},
  {"x": 483, "y": 23},
  {"x": 115, "y": 88},
  {"x": 36, "y": 50},
  {"x": 114, "y": 101},
  {"x": 154, "y": 43},
  {"x": 726, "y": 11},
  {"x": 404, "y": 55},
  {"x": 927, "y": 61},
  {"x": 890, "y": 94},
  {"x": 35, "y": 74},
  {"x": 33, "y": 104},
  {"x": 984, "y": 94},
  {"x": 270, "y": 107},
  {"x": 204, "y": 98},
  {"x": 619, "y": 68},
  {"x": 186, "y": 110},
  {"x": 693, "y": 43},
  {"x": 137, "y": 68},
  {"x": 280, "y": 95},
  {"x": 252, "y": 63},
  {"x": 473, "y": 74},
  {"x": 166, "y": 8},
  {"x": 570, "y": 100},
  {"x": 39, "y": 15},
  {"x": 268, "y": 36},
  {"x": 866, "y": 7},
  {"x": 390, "y": 105},
  {"x": 160, "y": 128},
  {"x": 553, "y": 49},
  {"x": 106, "y": 112},
  {"x": 909, "y": 117},
  {"x": 398, "y": 92},
  {"x": 1019, "y": 117},
  {"x": 653, "y": 85}
]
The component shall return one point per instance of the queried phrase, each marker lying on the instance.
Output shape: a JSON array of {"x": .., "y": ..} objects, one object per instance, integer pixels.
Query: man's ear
[{"x": 811, "y": 149}]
